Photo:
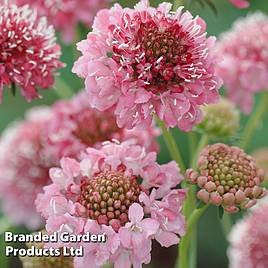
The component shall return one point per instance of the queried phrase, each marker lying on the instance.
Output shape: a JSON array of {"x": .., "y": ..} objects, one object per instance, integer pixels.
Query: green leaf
[
  {"x": 212, "y": 6},
  {"x": 201, "y": 3}
]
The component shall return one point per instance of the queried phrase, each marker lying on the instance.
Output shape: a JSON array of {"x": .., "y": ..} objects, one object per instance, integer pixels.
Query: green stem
[
  {"x": 171, "y": 145},
  {"x": 190, "y": 202},
  {"x": 254, "y": 121},
  {"x": 193, "y": 249},
  {"x": 184, "y": 244},
  {"x": 192, "y": 143},
  {"x": 62, "y": 89},
  {"x": 226, "y": 224},
  {"x": 202, "y": 143}
]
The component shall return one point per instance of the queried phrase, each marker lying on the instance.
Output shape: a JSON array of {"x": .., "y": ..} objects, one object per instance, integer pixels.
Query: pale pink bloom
[
  {"x": 227, "y": 177},
  {"x": 244, "y": 68},
  {"x": 76, "y": 126},
  {"x": 249, "y": 239},
  {"x": 95, "y": 254},
  {"x": 24, "y": 166},
  {"x": 65, "y": 15},
  {"x": 147, "y": 61},
  {"x": 136, "y": 236},
  {"x": 167, "y": 213},
  {"x": 29, "y": 55},
  {"x": 240, "y": 3},
  {"x": 101, "y": 193},
  {"x": 68, "y": 130}
]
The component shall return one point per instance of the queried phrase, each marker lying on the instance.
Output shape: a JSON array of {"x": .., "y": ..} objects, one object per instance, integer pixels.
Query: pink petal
[
  {"x": 150, "y": 227},
  {"x": 123, "y": 260},
  {"x": 240, "y": 3},
  {"x": 135, "y": 213},
  {"x": 167, "y": 239},
  {"x": 125, "y": 237}
]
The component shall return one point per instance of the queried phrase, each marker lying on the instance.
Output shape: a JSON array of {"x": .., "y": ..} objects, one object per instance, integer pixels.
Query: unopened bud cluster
[
  {"x": 108, "y": 196},
  {"x": 227, "y": 177},
  {"x": 220, "y": 120}
]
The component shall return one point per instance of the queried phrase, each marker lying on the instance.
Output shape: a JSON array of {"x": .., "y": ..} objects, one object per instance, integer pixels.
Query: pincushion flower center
[
  {"x": 93, "y": 127},
  {"x": 108, "y": 196},
  {"x": 231, "y": 171},
  {"x": 12, "y": 46},
  {"x": 158, "y": 53}
]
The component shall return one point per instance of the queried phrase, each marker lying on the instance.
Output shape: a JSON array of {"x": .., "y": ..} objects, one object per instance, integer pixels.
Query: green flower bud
[{"x": 221, "y": 120}]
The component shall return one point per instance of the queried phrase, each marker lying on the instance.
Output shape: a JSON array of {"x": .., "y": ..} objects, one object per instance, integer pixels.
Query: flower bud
[
  {"x": 228, "y": 177},
  {"x": 221, "y": 120}
]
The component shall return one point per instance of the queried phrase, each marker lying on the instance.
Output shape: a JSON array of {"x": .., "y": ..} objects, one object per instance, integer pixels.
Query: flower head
[
  {"x": 118, "y": 189},
  {"x": 24, "y": 165},
  {"x": 149, "y": 61},
  {"x": 65, "y": 15},
  {"x": 244, "y": 68},
  {"x": 43, "y": 138},
  {"x": 228, "y": 177},
  {"x": 249, "y": 239},
  {"x": 29, "y": 55},
  {"x": 75, "y": 126},
  {"x": 220, "y": 120}
]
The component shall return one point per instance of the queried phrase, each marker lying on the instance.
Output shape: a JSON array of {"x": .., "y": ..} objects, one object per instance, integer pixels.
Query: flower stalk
[
  {"x": 171, "y": 145},
  {"x": 192, "y": 139},
  {"x": 254, "y": 121},
  {"x": 226, "y": 223},
  {"x": 185, "y": 241},
  {"x": 190, "y": 202}
]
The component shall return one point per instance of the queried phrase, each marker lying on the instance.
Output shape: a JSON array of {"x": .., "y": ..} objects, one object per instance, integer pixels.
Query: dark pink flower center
[
  {"x": 158, "y": 53},
  {"x": 108, "y": 196},
  {"x": 94, "y": 127}
]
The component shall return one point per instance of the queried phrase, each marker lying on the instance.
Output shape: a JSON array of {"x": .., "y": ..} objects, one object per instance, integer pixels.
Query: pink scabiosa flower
[
  {"x": 147, "y": 61},
  {"x": 228, "y": 177},
  {"x": 65, "y": 15},
  {"x": 75, "y": 126},
  {"x": 240, "y": 3},
  {"x": 244, "y": 68},
  {"x": 29, "y": 55},
  {"x": 249, "y": 239},
  {"x": 118, "y": 189},
  {"x": 24, "y": 166}
]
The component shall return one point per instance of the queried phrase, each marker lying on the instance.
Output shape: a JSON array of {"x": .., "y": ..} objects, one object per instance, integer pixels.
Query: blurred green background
[{"x": 212, "y": 244}]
